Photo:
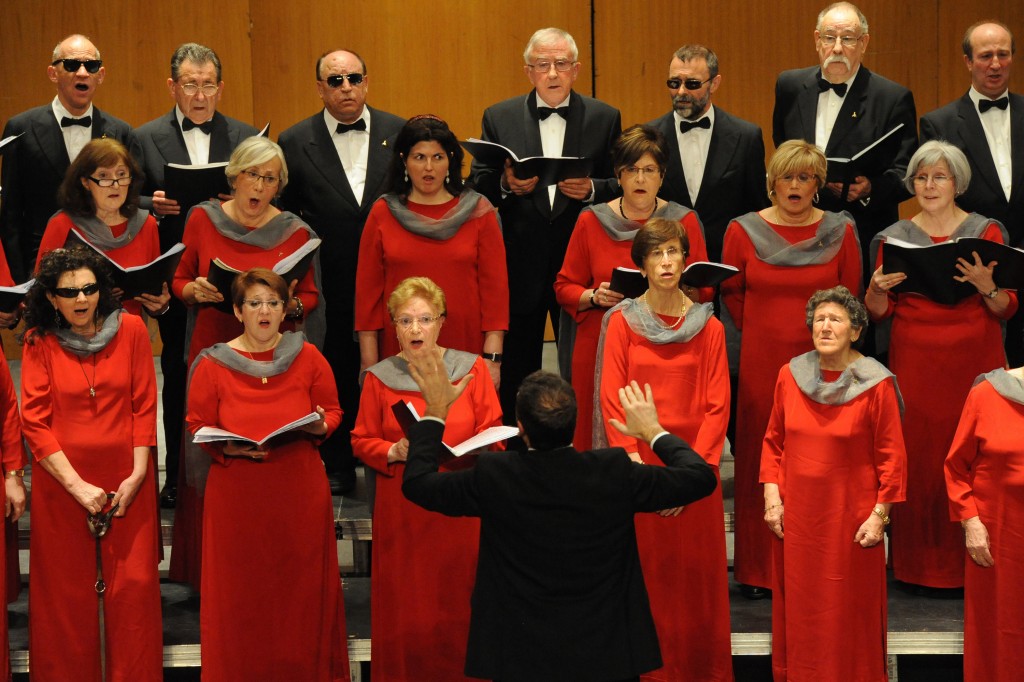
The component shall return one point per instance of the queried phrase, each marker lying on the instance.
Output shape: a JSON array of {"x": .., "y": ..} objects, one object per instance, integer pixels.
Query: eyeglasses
[
  {"x": 659, "y": 253},
  {"x": 73, "y": 65},
  {"x": 424, "y": 321},
  {"x": 335, "y": 81},
  {"x": 936, "y": 179},
  {"x": 561, "y": 65},
  {"x": 845, "y": 41},
  {"x": 689, "y": 83},
  {"x": 73, "y": 292},
  {"x": 122, "y": 181},
  {"x": 801, "y": 178},
  {"x": 633, "y": 171},
  {"x": 256, "y": 304},
  {"x": 208, "y": 90},
  {"x": 254, "y": 177}
]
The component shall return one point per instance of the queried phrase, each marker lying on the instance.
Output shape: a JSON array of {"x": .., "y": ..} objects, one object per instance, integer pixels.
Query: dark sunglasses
[
  {"x": 73, "y": 65},
  {"x": 73, "y": 292},
  {"x": 335, "y": 81},
  {"x": 689, "y": 83}
]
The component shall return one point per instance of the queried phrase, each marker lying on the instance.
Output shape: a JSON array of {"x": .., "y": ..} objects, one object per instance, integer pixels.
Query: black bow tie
[
  {"x": 840, "y": 88},
  {"x": 544, "y": 112},
  {"x": 188, "y": 124},
  {"x": 349, "y": 127},
  {"x": 67, "y": 122},
  {"x": 986, "y": 104},
  {"x": 687, "y": 126}
]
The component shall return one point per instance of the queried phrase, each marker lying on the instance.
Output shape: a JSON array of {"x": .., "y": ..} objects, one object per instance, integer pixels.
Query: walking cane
[{"x": 99, "y": 524}]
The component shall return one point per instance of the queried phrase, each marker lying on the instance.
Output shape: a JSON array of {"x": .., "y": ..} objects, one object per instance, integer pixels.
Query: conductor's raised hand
[
  {"x": 641, "y": 414},
  {"x": 429, "y": 372}
]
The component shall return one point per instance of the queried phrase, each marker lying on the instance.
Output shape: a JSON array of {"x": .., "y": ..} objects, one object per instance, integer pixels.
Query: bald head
[
  {"x": 77, "y": 72},
  {"x": 988, "y": 54}
]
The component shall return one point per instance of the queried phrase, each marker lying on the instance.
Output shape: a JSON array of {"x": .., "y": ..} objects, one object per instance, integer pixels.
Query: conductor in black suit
[
  {"x": 716, "y": 160},
  {"x": 34, "y": 166},
  {"x": 551, "y": 120},
  {"x": 337, "y": 162},
  {"x": 842, "y": 107},
  {"x": 987, "y": 124},
  {"x": 191, "y": 133},
  {"x": 559, "y": 591}
]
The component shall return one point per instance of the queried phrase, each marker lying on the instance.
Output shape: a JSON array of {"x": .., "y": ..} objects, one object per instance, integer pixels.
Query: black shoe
[
  {"x": 342, "y": 482},
  {"x": 169, "y": 497},
  {"x": 752, "y": 592}
]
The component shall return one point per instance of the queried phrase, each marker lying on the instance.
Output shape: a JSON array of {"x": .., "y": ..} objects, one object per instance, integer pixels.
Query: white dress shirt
[
  {"x": 693, "y": 151},
  {"x": 75, "y": 137},
  {"x": 829, "y": 104},
  {"x": 353, "y": 148},
  {"x": 196, "y": 141},
  {"x": 552, "y": 136},
  {"x": 996, "y": 123}
]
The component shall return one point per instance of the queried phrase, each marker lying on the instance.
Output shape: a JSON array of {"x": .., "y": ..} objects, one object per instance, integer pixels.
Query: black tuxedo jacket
[
  {"x": 733, "y": 182},
  {"x": 162, "y": 143},
  {"x": 319, "y": 192},
  {"x": 559, "y": 591},
  {"x": 873, "y": 106},
  {"x": 537, "y": 234},
  {"x": 959, "y": 123},
  {"x": 33, "y": 168}
]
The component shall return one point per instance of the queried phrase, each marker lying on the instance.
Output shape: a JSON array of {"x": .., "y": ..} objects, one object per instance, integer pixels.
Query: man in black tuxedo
[
  {"x": 51, "y": 136},
  {"x": 551, "y": 120},
  {"x": 716, "y": 161},
  {"x": 338, "y": 160},
  {"x": 987, "y": 124},
  {"x": 559, "y": 591},
  {"x": 192, "y": 133},
  {"x": 842, "y": 107}
]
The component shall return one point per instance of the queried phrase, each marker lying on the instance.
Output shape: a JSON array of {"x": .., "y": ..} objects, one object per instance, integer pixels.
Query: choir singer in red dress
[
  {"x": 423, "y": 563},
  {"x": 272, "y": 605},
  {"x": 984, "y": 475},
  {"x": 88, "y": 391},
  {"x": 602, "y": 241},
  {"x": 832, "y": 466},
  {"x": 430, "y": 224},
  {"x": 245, "y": 232},
  {"x": 99, "y": 199},
  {"x": 784, "y": 253},
  {"x": 676, "y": 346},
  {"x": 964, "y": 339}
]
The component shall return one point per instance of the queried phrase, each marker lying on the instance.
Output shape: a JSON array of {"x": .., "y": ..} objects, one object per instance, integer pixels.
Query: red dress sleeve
[
  {"x": 575, "y": 276},
  {"x": 698, "y": 250},
  {"x": 143, "y": 381},
  {"x": 493, "y": 274},
  {"x": 370, "y": 278},
  {"x": 959, "y": 464},
  {"x": 710, "y": 439},
  {"x": 188, "y": 266},
  {"x": 12, "y": 453},
  {"x": 36, "y": 401},
  {"x": 204, "y": 404},
  {"x": 850, "y": 265},
  {"x": 614, "y": 374},
  {"x": 736, "y": 251},
  {"x": 890, "y": 297},
  {"x": 994, "y": 234},
  {"x": 775, "y": 435},
  {"x": 368, "y": 442},
  {"x": 55, "y": 235},
  {"x": 890, "y": 454}
]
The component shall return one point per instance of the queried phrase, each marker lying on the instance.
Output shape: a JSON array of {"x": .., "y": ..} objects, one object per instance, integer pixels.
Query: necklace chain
[
  {"x": 682, "y": 310},
  {"x": 653, "y": 211}
]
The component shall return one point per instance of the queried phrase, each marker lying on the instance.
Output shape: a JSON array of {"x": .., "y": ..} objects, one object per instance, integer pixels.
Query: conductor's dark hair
[
  {"x": 40, "y": 316},
  {"x": 546, "y": 408}
]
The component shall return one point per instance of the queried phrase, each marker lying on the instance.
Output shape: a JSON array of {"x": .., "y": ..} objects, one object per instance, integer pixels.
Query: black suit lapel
[
  {"x": 1016, "y": 146},
  {"x": 169, "y": 142},
  {"x": 675, "y": 176},
  {"x": 807, "y": 105},
  {"x": 378, "y": 160},
  {"x": 723, "y": 146},
  {"x": 975, "y": 145},
  {"x": 850, "y": 113},
  {"x": 533, "y": 147},
  {"x": 323, "y": 155},
  {"x": 571, "y": 143},
  {"x": 51, "y": 141},
  {"x": 220, "y": 139}
]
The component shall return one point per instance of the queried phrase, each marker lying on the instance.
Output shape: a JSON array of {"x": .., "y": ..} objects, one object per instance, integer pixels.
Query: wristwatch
[
  {"x": 993, "y": 293},
  {"x": 493, "y": 357}
]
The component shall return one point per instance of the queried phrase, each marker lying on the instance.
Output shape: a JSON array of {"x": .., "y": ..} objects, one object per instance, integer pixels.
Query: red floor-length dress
[
  {"x": 985, "y": 478},
  {"x": 424, "y": 563},
  {"x": 832, "y": 464},
  {"x": 12, "y": 458},
  {"x": 272, "y": 606},
  {"x": 683, "y": 557},
  {"x": 766, "y": 302},
  {"x": 469, "y": 267},
  {"x": 97, "y": 434},
  {"x": 203, "y": 243},
  {"x": 589, "y": 260},
  {"x": 936, "y": 350},
  {"x": 139, "y": 251},
  {"x": 13, "y": 579}
]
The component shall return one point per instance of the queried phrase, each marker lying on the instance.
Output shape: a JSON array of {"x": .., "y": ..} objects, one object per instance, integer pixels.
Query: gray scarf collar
[
  {"x": 287, "y": 349},
  {"x": 859, "y": 376},
  {"x": 624, "y": 230},
  {"x": 1005, "y": 384},
  {"x": 470, "y": 205},
  {"x": 83, "y": 347},
  {"x": 972, "y": 226},
  {"x": 774, "y": 249},
  {"x": 643, "y": 321},
  {"x": 277, "y": 230},
  {"x": 98, "y": 232},
  {"x": 393, "y": 372}
]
